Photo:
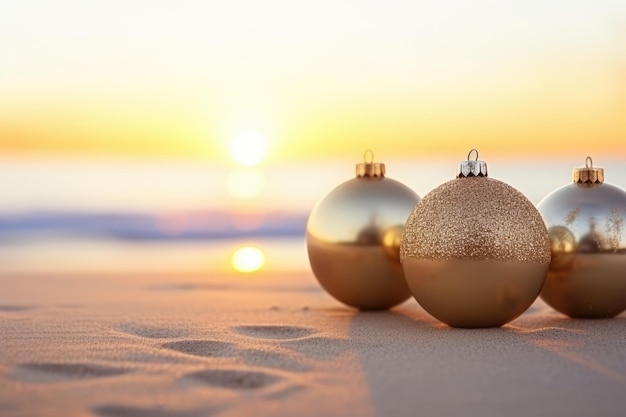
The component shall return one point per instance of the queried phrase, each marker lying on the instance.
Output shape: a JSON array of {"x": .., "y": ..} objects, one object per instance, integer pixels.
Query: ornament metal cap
[
  {"x": 368, "y": 168},
  {"x": 473, "y": 168},
  {"x": 589, "y": 174}
]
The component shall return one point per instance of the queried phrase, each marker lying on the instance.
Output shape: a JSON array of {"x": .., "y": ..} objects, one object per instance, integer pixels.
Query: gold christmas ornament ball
[
  {"x": 475, "y": 251},
  {"x": 585, "y": 220},
  {"x": 353, "y": 239}
]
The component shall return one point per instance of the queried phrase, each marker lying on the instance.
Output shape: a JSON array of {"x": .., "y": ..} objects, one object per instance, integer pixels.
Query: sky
[
  {"x": 315, "y": 80},
  {"x": 264, "y": 106}
]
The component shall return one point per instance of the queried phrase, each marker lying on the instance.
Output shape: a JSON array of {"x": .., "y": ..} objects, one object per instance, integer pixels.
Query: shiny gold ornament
[
  {"x": 475, "y": 251},
  {"x": 353, "y": 239},
  {"x": 585, "y": 220}
]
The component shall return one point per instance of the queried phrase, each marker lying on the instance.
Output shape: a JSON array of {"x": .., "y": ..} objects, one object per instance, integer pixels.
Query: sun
[
  {"x": 248, "y": 148},
  {"x": 248, "y": 259}
]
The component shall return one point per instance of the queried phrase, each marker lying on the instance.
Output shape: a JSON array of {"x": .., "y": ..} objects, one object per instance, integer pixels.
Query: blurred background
[{"x": 196, "y": 136}]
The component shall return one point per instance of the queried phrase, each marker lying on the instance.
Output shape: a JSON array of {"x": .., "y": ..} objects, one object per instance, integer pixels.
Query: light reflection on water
[{"x": 101, "y": 256}]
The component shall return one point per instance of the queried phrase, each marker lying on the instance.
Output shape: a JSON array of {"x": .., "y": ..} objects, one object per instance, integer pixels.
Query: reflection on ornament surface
[
  {"x": 391, "y": 242},
  {"x": 587, "y": 277},
  {"x": 474, "y": 293},
  {"x": 563, "y": 247}
]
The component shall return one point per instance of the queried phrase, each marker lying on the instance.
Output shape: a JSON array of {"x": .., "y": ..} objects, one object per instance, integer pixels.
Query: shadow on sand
[{"x": 540, "y": 364}]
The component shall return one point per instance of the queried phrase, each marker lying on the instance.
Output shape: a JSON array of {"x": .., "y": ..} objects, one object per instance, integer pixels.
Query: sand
[{"x": 277, "y": 345}]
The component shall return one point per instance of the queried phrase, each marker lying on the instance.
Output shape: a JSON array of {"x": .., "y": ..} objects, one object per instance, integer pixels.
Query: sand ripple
[
  {"x": 207, "y": 348},
  {"x": 275, "y": 332}
]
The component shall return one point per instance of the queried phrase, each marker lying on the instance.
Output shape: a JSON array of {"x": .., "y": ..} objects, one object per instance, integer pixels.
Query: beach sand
[{"x": 275, "y": 344}]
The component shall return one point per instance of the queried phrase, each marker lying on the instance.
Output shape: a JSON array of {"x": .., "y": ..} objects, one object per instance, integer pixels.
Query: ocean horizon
[{"x": 180, "y": 218}]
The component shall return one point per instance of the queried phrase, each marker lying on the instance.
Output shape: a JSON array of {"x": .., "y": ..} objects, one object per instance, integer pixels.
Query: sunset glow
[
  {"x": 248, "y": 259},
  {"x": 245, "y": 183},
  {"x": 224, "y": 81}
]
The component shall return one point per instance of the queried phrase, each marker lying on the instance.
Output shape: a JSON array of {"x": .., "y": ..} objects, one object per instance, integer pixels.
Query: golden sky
[{"x": 315, "y": 79}]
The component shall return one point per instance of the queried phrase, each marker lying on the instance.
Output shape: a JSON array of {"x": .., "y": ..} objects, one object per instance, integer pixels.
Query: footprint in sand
[
  {"x": 296, "y": 339},
  {"x": 255, "y": 357},
  {"x": 275, "y": 360},
  {"x": 55, "y": 372},
  {"x": 152, "y": 332},
  {"x": 323, "y": 348},
  {"x": 127, "y": 411},
  {"x": 205, "y": 348},
  {"x": 275, "y": 332},
  {"x": 234, "y": 379}
]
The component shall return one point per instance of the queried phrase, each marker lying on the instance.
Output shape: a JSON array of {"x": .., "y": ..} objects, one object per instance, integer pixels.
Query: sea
[{"x": 85, "y": 216}]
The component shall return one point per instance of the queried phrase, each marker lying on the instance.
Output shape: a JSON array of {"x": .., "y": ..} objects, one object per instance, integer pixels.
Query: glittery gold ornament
[
  {"x": 585, "y": 220},
  {"x": 353, "y": 238},
  {"x": 475, "y": 251}
]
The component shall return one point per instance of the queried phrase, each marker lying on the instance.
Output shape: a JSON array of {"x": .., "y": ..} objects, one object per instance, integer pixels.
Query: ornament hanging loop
[
  {"x": 588, "y": 175},
  {"x": 470, "y": 153},
  {"x": 368, "y": 168},
  {"x": 469, "y": 168}
]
